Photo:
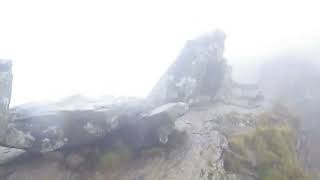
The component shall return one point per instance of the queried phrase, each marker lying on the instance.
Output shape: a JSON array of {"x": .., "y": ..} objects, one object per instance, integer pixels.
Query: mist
[
  {"x": 121, "y": 48},
  {"x": 147, "y": 89}
]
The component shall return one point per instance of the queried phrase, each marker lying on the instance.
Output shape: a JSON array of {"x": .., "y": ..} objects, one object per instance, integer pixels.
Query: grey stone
[
  {"x": 198, "y": 71},
  {"x": 173, "y": 110},
  {"x": 148, "y": 127},
  {"x": 54, "y": 127},
  {"x": 9, "y": 154}
]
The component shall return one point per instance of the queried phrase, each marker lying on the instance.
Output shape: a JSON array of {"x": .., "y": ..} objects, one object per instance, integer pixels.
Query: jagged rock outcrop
[
  {"x": 179, "y": 132},
  {"x": 198, "y": 71}
]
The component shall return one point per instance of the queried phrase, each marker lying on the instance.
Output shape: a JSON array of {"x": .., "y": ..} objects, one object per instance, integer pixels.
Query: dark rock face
[{"x": 198, "y": 71}]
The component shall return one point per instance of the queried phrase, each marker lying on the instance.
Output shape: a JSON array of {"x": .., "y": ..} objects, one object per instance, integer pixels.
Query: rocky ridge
[{"x": 180, "y": 131}]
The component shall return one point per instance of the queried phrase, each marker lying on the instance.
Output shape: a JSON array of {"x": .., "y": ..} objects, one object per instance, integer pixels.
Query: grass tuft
[{"x": 266, "y": 153}]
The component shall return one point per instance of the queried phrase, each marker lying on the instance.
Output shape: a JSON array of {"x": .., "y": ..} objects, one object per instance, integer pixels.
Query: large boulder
[
  {"x": 198, "y": 71},
  {"x": 47, "y": 128},
  {"x": 9, "y": 154},
  {"x": 152, "y": 127},
  {"x": 44, "y": 128}
]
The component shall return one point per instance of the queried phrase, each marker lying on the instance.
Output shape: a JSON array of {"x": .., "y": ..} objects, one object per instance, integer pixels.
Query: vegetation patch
[{"x": 266, "y": 153}]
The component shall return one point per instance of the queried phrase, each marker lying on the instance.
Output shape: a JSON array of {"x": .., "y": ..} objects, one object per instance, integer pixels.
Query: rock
[
  {"x": 173, "y": 110},
  {"x": 198, "y": 71},
  {"x": 54, "y": 127},
  {"x": 5, "y": 95},
  {"x": 150, "y": 127},
  {"x": 17, "y": 138},
  {"x": 197, "y": 155},
  {"x": 9, "y": 154},
  {"x": 169, "y": 113}
]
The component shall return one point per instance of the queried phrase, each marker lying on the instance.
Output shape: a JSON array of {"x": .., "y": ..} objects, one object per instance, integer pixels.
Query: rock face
[{"x": 198, "y": 71}]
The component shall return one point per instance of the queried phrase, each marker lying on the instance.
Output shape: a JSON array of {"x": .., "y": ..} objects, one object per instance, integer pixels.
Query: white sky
[{"x": 63, "y": 47}]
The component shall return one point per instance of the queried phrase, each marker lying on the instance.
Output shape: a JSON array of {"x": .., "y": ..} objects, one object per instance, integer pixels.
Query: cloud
[{"x": 122, "y": 47}]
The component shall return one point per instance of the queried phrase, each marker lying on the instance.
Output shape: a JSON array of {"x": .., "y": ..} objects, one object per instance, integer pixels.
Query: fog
[{"x": 60, "y": 48}]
